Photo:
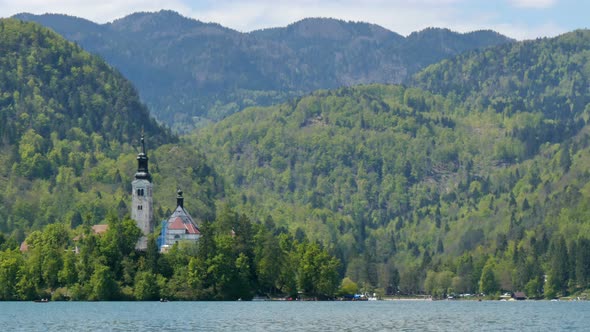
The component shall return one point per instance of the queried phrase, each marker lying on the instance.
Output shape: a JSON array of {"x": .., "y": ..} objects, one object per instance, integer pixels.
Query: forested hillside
[
  {"x": 69, "y": 127},
  {"x": 190, "y": 72},
  {"x": 546, "y": 79},
  {"x": 473, "y": 179},
  {"x": 481, "y": 188}
]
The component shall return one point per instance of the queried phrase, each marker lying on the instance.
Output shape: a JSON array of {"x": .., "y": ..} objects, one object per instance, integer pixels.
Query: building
[
  {"x": 180, "y": 226},
  {"x": 519, "y": 296},
  {"x": 96, "y": 229},
  {"x": 142, "y": 203}
]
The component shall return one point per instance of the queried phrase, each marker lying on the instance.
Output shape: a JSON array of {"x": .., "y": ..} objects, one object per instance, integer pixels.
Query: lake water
[{"x": 296, "y": 316}]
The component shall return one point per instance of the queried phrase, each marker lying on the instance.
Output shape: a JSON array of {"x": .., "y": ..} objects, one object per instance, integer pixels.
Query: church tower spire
[
  {"x": 142, "y": 164},
  {"x": 142, "y": 202}
]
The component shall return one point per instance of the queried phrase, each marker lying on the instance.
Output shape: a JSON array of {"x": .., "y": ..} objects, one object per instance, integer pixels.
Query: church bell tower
[{"x": 142, "y": 203}]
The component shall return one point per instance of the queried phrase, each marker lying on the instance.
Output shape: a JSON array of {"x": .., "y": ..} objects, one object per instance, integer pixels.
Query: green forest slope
[
  {"x": 69, "y": 124},
  {"x": 473, "y": 180},
  {"x": 481, "y": 188},
  {"x": 190, "y": 72}
]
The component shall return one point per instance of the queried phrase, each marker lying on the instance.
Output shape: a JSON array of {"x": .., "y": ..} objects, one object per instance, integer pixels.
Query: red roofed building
[
  {"x": 179, "y": 227},
  {"x": 24, "y": 247}
]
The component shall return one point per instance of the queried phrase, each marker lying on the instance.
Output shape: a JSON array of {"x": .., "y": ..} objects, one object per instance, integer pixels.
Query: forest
[
  {"x": 191, "y": 73},
  {"x": 235, "y": 259},
  {"x": 470, "y": 179},
  {"x": 64, "y": 171}
]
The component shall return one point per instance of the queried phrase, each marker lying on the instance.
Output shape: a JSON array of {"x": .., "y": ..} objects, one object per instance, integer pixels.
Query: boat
[{"x": 41, "y": 301}]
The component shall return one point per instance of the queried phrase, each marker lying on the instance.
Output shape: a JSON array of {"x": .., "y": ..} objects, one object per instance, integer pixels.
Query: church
[{"x": 180, "y": 226}]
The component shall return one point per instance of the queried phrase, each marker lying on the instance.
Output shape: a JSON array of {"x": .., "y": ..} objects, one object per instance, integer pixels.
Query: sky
[{"x": 519, "y": 19}]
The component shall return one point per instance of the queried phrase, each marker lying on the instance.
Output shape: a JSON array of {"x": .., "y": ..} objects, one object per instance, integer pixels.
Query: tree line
[{"x": 234, "y": 259}]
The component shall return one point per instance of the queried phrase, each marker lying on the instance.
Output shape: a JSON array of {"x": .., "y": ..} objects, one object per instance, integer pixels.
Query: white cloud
[
  {"x": 538, "y": 4},
  {"x": 523, "y": 32},
  {"x": 98, "y": 11},
  {"x": 518, "y": 31},
  {"x": 401, "y": 16}
]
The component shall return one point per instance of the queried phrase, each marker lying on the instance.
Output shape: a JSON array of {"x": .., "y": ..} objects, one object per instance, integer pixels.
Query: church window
[{"x": 140, "y": 192}]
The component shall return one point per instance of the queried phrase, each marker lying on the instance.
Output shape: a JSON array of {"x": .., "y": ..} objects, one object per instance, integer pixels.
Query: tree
[
  {"x": 242, "y": 281},
  {"x": 557, "y": 278},
  {"x": 32, "y": 161},
  {"x": 103, "y": 286},
  {"x": 438, "y": 284},
  {"x": 465, "y": 271},
  {"x": 146, "y": 286},
  {"x": 68, "y": 275},
  {"x": 318, "y": 271},
  {"x": 10, "y": 263},
  {"x": 348, "y": 287},
  {"x": 328, "y": 278},
  {"x": 270, "y": 258},
  {"x": 582, "y": 263},
  {"x": 152, "y": 255},
  {"x": 118, "y": 241},
  {"x": 565, "y": 159},
  {"x": 533, "y": 288},
  {"x": 488, "y": 283}
]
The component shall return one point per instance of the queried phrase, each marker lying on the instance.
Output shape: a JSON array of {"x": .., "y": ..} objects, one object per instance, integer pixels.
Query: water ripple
[{"x": 295, "y": 316}]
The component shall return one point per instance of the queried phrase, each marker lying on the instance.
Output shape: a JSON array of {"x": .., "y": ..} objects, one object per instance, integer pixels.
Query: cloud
[
  {"x": 98, "y": 11},
  {"x": 401, "y": 16},
  {"x": 518, "y": 31},
  {"x": 537, "y": 4}
]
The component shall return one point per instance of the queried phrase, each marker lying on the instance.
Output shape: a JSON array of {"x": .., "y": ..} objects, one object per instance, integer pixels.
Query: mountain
[
  {"x": 546, "y": 79},
  {"x": 474, "y": 180},
  {"x": 189, "y": 71},
  {"x": 51, "y": 85},
  {"x": 70, "y": 125},
  {"x": 431, "y": 45},
  {"x": 66, "y": 164},
  {"x": 531, "y": 70}
]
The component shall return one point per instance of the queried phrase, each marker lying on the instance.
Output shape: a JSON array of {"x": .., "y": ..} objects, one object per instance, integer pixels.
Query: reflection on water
[{"x": 296, "y": 316}]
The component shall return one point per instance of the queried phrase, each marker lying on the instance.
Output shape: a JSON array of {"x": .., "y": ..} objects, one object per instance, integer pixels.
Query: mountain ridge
[
  {"x": 70, "y": 126},
  {"x": 190, "y": 72},
  {"x": 482, "y": 162}
]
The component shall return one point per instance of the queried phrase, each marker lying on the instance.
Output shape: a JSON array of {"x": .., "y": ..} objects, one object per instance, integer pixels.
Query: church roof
[
  {"x": 142, "y": 164},
  {"x": 182, "y": 220},
  {"x": 100, "y": 228},
  {"x": 24, "y": 247}
]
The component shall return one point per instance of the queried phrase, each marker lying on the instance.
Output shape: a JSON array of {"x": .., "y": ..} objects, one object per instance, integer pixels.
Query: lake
[{"x": 296, "y": 316}]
